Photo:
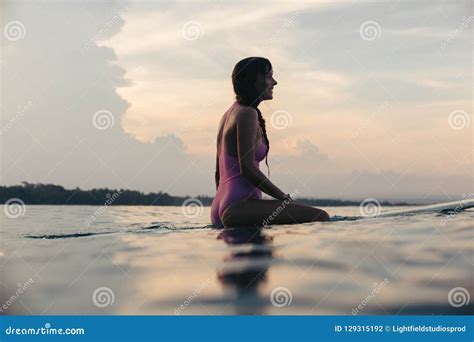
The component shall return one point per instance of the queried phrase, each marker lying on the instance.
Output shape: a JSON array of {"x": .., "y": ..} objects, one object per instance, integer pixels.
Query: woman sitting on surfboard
[{"x": 242, "y": 143}]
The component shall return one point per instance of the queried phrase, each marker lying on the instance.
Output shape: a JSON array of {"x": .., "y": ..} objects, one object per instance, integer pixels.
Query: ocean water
[{"x": 159, "y": 260}]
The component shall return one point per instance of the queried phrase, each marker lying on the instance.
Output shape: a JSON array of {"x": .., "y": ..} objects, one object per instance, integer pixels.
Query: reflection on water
[{"x": 245, "y": 267}]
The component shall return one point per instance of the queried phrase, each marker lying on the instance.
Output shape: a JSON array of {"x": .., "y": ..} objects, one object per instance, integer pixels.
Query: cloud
[
  {"x": 160, "y": 30},
  {"x": 62, "y": 81},
  {"x": 166, "y": 93}
]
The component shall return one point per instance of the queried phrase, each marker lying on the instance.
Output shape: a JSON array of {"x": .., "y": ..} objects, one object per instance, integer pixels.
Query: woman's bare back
[{"x": 228, "y": 131}]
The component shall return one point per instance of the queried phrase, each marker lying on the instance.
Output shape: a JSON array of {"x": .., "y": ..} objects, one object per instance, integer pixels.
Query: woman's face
[{"x": 264, "y": 85}]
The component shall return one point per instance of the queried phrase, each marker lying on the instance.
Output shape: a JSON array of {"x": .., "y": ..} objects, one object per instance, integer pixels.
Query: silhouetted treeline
[{"x": 56, "y": 195}]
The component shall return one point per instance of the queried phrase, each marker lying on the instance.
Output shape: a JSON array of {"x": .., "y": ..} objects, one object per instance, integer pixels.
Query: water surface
[{"x": 155, "y": 260}]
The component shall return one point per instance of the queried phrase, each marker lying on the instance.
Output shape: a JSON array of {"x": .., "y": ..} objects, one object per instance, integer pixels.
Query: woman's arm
[
  {"x": 217, "y": 176},
  {"x": 218, "y": 142},
  {"x": 247, "y": 121}
]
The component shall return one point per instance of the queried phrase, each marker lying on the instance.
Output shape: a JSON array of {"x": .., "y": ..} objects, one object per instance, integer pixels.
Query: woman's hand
[{"x": 285, "y": 197}]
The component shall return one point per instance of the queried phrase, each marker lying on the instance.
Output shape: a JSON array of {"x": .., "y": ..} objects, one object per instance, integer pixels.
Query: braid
[{"x": 261, "y": 121}]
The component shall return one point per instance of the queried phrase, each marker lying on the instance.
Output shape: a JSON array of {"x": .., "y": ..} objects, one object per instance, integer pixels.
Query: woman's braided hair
[{"x": 243, "y": 79}]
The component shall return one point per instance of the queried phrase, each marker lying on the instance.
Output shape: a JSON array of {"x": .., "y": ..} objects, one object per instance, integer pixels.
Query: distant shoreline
[{"x": 50, "y": 194}]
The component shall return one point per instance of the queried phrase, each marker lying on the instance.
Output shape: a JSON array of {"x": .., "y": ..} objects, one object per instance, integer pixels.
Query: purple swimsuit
[{"x": 232, "y": 185}]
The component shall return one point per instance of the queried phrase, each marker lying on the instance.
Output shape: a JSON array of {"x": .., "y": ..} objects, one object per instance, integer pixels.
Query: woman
[{"x": 242, "y": 143}]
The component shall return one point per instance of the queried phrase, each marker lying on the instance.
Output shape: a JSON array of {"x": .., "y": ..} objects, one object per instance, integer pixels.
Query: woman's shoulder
[{"x": 245, "y": 113}]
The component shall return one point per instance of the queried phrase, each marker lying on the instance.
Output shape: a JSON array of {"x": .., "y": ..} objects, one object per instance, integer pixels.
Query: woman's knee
[
  {"x": 309, "y": 213},
  {"x": 320, "y": 215}
]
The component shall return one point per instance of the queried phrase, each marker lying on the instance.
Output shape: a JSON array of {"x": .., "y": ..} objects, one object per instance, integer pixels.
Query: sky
[{"x": 374, "y": 99}]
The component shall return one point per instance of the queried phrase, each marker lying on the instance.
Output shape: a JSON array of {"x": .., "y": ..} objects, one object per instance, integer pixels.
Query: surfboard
[
  {"x": 455, "y": 206},
  {"x": 447, "y": 207}
]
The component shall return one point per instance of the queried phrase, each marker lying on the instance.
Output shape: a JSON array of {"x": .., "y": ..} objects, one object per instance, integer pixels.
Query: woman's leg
[{"x": 259, "y": 211}]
